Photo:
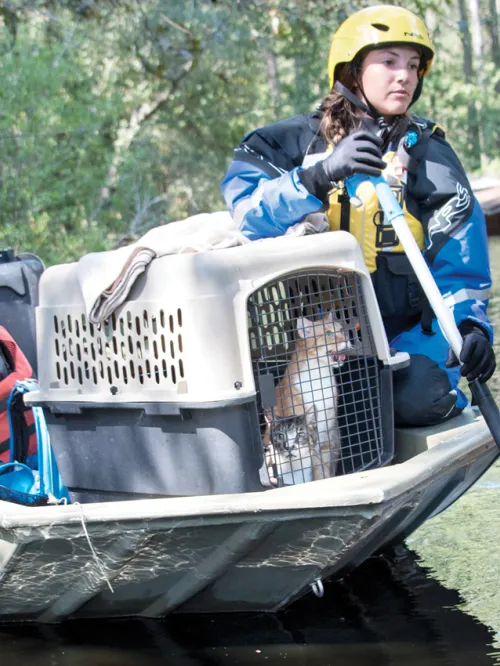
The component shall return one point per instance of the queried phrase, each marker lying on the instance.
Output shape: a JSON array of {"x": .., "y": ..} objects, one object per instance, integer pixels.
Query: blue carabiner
[{"x": 387, "y": 199}]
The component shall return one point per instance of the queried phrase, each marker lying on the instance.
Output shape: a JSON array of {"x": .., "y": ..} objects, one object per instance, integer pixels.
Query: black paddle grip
[{"x": 488, "y": 408}]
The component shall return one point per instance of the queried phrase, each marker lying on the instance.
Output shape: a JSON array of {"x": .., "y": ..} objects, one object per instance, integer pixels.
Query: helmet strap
[
  {"x": 384, "y": 128},
  {"x": 354, "y": 99}
]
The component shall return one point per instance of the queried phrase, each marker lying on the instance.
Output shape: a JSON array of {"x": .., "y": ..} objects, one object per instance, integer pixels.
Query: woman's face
[{"x": 389, "y": 76}]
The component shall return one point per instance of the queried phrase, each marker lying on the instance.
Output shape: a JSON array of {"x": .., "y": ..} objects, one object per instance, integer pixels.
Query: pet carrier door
[{"x": 317, "y": 377}]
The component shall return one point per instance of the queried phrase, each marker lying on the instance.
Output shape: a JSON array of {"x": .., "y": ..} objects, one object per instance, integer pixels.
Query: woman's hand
[
  {"x": 357, "y": 153},
  {"x": 477, "y": 355}
]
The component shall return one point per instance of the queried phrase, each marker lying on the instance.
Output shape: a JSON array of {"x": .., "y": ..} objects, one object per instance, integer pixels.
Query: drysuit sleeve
[
  {"x": 263, "y": 191},
  {"x": 455, "y": 233}
]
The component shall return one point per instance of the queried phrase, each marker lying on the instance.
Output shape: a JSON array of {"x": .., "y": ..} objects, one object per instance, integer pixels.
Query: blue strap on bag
[{"x": 21, "y": 483}]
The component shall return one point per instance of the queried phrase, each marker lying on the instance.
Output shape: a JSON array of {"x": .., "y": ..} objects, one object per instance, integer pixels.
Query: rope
[{"x": 98, "y": 562}]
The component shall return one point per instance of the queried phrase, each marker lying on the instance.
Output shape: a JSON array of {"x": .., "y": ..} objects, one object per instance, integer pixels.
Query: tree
[
  {"x": 104, "y": 137},
  {"x": 473, "y": 120},
  {"x": 492, "y": 23}
]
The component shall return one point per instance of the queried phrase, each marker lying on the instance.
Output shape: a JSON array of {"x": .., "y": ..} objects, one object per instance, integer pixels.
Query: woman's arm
[
  {"x": 262, "y": 189},
  {"x": 267, "y": 190},
  {"x": 455, "y": 230}
]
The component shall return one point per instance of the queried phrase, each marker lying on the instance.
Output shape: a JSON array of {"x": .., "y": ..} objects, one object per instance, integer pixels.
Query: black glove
[
  {"x": 477, "y": 355},
  {"x": 357, "y": 153}
]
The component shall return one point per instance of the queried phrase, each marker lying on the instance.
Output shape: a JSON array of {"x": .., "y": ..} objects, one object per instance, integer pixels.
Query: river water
[{"x": 434, "y": 601}]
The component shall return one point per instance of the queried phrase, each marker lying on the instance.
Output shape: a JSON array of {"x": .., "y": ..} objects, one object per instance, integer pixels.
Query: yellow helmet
[{"x": 375, "y": 26}]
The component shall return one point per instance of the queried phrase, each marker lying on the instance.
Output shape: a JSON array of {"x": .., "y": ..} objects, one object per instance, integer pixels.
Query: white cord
[{"x": 100, "y": 565}]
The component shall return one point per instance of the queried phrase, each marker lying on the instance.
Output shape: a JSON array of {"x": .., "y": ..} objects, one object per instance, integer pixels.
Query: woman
[{"x": 281, "y": 173}]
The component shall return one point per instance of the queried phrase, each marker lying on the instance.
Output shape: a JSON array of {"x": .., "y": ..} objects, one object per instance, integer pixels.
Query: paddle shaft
[{"x": 393, "y": 213}]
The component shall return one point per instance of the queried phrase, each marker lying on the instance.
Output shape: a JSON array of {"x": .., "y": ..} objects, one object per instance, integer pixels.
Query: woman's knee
[{"x": 422, "y": 394}]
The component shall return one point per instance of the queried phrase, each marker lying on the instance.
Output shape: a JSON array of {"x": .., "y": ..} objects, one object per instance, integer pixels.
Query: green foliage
[
  {"x": 55, "y": 131},
  {"x": 447, "y": 94},
  {"x": 120, "y": 116}
]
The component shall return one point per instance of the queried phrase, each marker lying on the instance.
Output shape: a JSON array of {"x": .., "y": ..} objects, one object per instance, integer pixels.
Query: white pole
[{"x": 394, "y": 214}]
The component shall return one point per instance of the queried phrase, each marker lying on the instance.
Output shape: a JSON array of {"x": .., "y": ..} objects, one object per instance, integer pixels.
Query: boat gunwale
[{"x": 369, "y": 488}]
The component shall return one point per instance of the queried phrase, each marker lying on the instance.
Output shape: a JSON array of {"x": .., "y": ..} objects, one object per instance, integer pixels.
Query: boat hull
[{"x": 243, "y": 552}]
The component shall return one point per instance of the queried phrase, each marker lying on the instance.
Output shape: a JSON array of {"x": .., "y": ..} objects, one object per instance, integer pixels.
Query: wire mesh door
[{"x": 317, "y": 376}]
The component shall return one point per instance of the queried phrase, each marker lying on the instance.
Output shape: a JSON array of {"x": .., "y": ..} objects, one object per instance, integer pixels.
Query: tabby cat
[{"x": 288, "y": 444}]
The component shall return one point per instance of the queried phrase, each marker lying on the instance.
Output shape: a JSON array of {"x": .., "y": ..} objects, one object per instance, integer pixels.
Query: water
[
  {"x": 434, "y": 601},
  {"x": 390, "y": 611}
]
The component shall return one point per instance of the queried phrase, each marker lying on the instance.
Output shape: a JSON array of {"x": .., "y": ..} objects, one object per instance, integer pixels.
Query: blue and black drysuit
[{"x": 267, "y": 189}]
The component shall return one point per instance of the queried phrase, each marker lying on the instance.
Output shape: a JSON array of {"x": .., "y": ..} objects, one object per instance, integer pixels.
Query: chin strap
[
  {"x": 354, "y": 99},
  {"x": 385, "y": 130}
]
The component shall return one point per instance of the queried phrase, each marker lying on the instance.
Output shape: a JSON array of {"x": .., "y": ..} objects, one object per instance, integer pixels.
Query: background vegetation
[{"x": 119, "y": 115}]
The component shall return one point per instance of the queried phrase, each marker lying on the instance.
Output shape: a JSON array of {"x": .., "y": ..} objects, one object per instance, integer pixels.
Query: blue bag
[{"x": 39, "y": 482}]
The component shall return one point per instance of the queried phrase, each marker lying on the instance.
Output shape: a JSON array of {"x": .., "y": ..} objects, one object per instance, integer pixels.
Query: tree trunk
[
  {"x": 477, "y": 38},
  {"x": 493, "y": 30},
  {"x": 474, "y": 144},
  {"x": 128, "y": 132},
  {"x": 302, "y": 94},
  {"x": 273, "y": 81},
  {"x": 478, "y": 67}
]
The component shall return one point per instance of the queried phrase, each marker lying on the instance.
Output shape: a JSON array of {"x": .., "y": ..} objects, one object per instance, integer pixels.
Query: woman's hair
[{"x": 339, "y": 114}]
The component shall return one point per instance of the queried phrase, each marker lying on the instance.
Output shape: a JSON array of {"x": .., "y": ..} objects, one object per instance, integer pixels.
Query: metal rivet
[{"x": 317, "y": 587}]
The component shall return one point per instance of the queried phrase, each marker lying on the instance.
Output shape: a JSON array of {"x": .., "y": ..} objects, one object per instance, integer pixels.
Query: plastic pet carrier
[{"x": 234, "y": 370}]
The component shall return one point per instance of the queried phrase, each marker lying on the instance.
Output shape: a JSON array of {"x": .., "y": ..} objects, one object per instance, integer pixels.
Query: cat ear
[
  {"x": 328, "y": 319},
  {"x": 311, "y": 417},
  {"x": 305, "y": 328}
]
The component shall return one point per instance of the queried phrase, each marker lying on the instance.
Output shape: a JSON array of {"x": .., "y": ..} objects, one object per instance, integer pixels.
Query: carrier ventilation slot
[
  {"x": 317, "y": 376},
  {"x": 141, "y": 347}
]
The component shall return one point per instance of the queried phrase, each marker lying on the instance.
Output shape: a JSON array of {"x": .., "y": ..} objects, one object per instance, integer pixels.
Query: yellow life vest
[{"x": 367, "y": 222}]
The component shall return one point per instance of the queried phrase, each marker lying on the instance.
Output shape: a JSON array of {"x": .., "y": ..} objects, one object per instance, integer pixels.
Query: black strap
[
  {"x": 354, "y": 99},
  {"x": 19, "y": 428},
  {"x": 426, "y": 318},
  {"x": 345, "y": 211}
]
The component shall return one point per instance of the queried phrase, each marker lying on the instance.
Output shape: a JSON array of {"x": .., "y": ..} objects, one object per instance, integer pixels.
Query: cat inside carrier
[{"x": 318, "y": 379}]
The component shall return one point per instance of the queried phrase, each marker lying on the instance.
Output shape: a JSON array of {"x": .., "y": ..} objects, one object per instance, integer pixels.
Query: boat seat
[{"x": 409, "y": 442}]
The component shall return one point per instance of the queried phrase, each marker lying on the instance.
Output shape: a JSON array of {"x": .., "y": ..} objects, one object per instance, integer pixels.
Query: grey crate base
[{"x": 110, "y": 454}]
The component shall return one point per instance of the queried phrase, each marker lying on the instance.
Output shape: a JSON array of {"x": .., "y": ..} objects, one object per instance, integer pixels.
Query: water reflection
[
  {"x": 460, "y": 546},
  {"x": 387, "y": 612}
]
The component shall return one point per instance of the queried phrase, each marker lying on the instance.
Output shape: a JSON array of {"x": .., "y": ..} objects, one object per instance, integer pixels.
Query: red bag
[{"x": 14, "y": 367}]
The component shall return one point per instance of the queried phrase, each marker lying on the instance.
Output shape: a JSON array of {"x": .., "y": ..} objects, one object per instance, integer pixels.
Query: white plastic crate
[
  {"x": 191, "y": 370},
  {"x": 182, "y": 335}
]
